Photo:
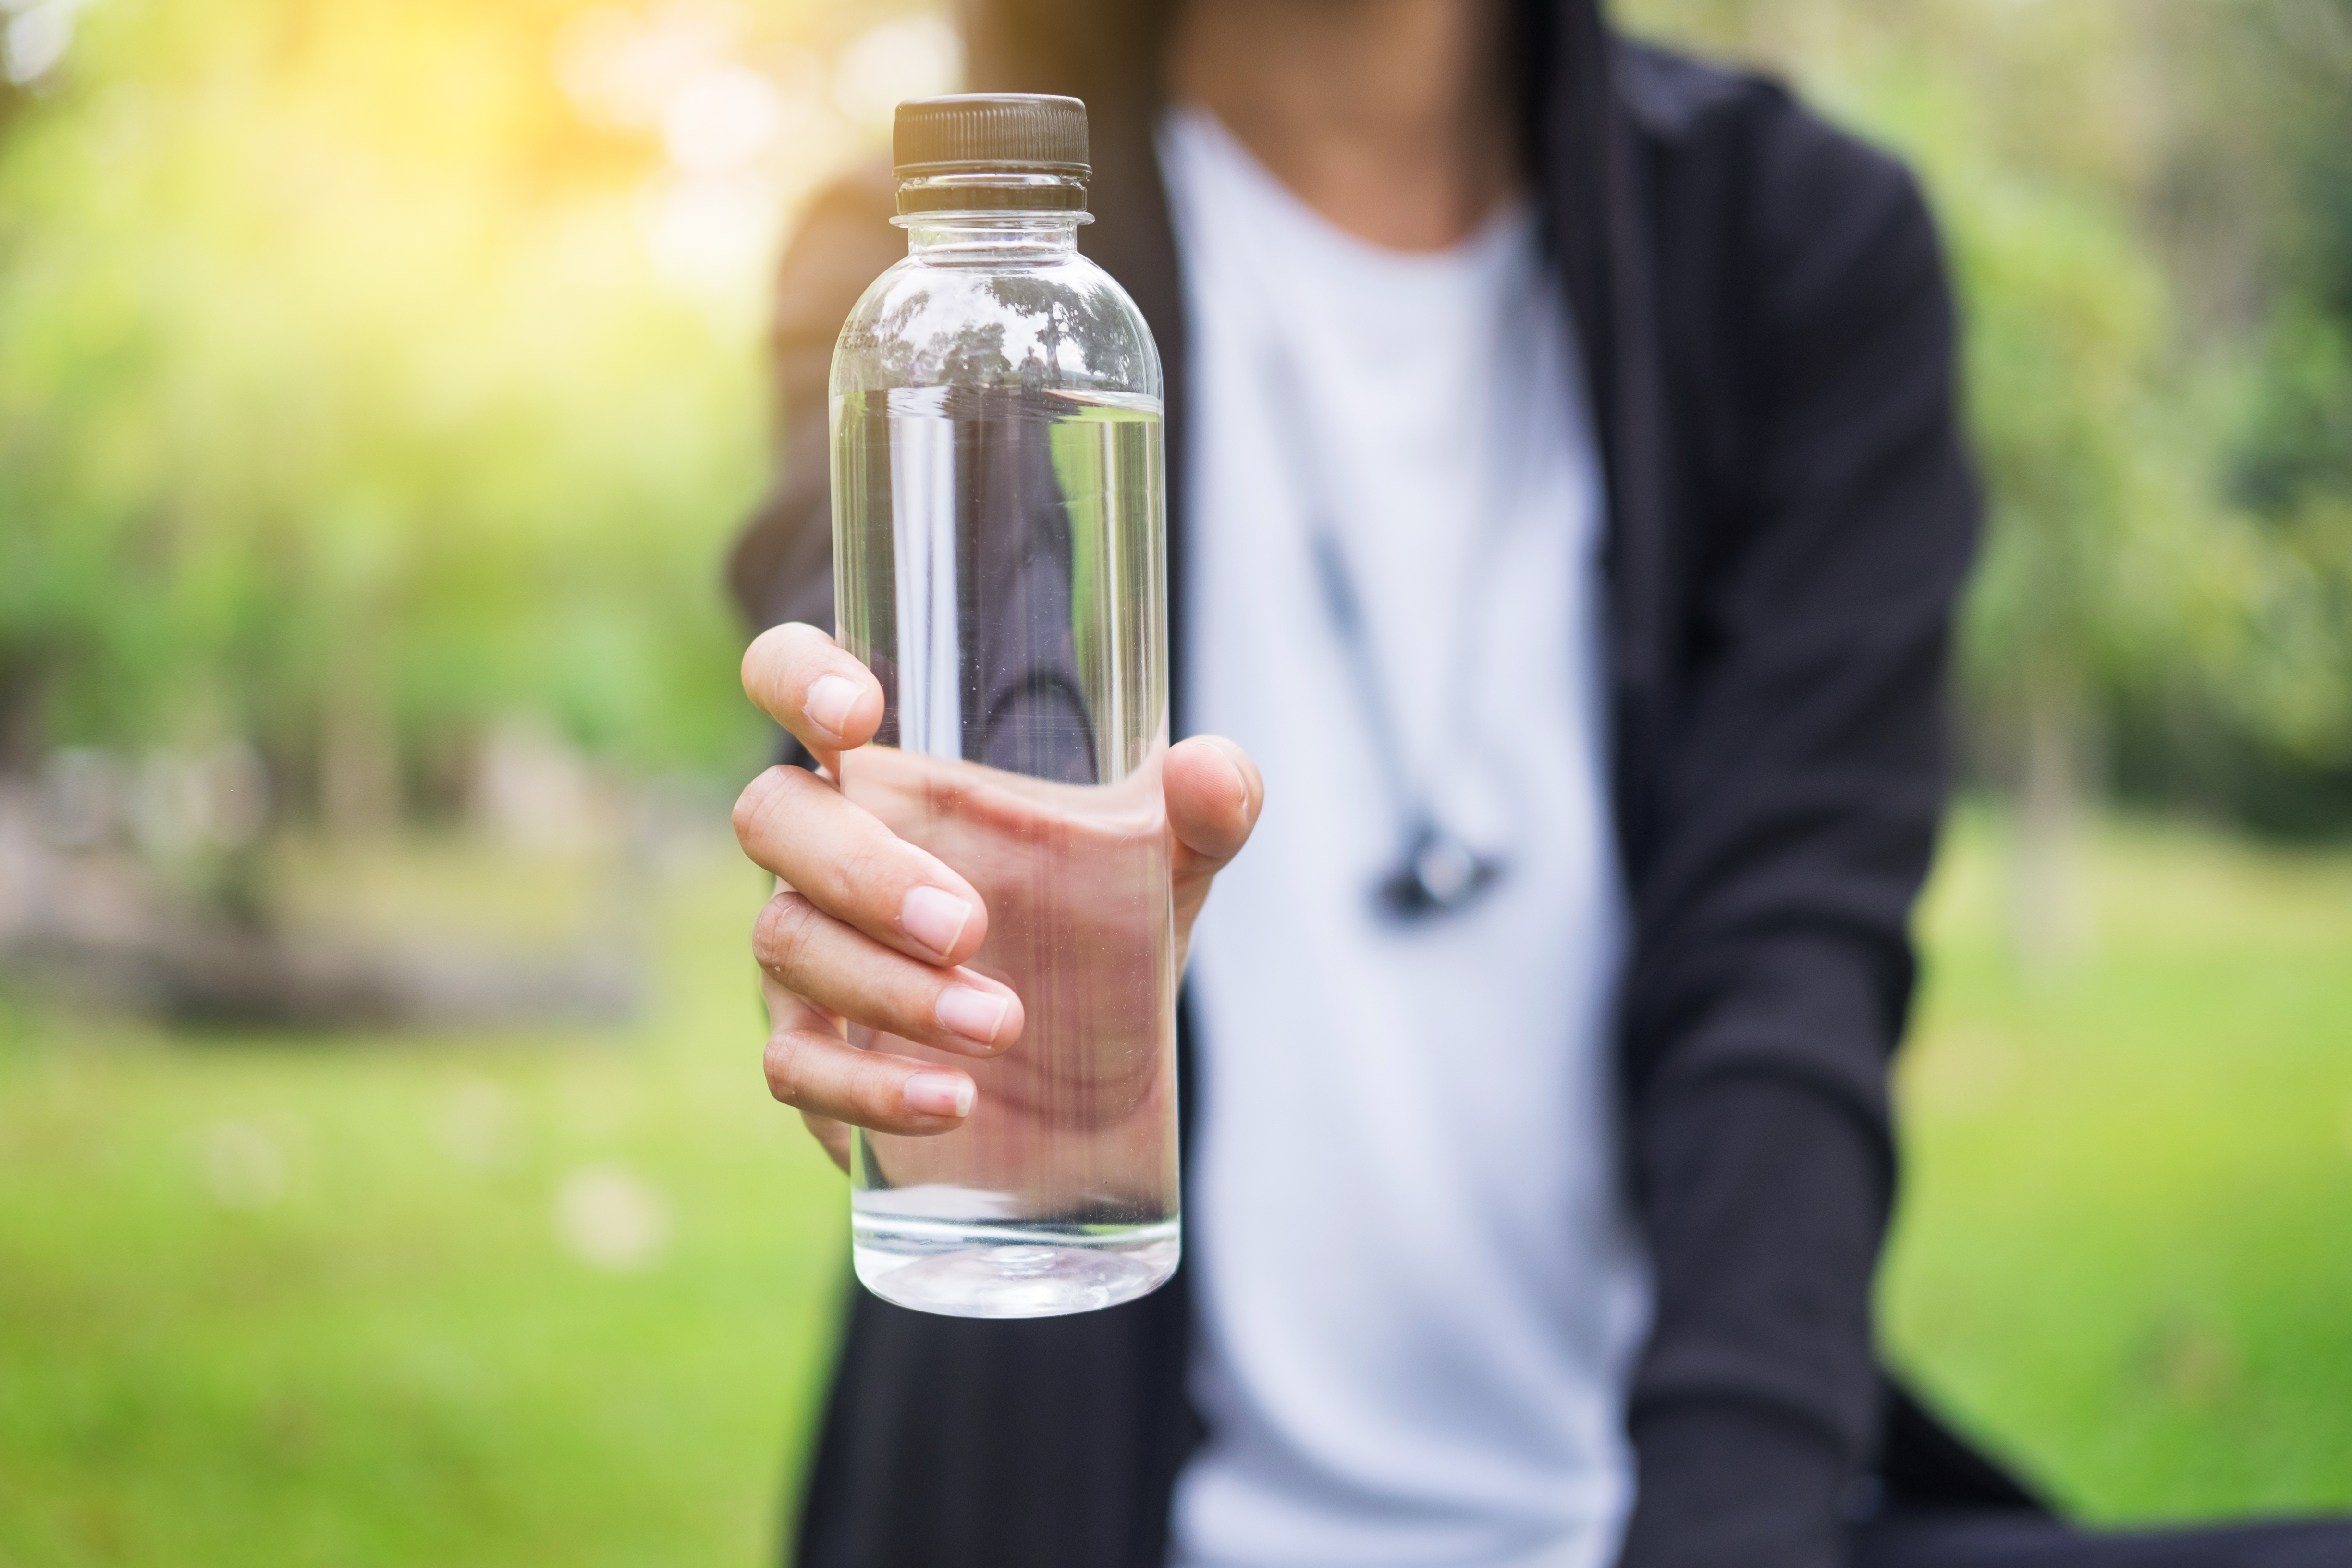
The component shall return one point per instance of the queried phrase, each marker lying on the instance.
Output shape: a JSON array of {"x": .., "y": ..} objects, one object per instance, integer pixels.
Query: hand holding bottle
[{"x": 875, "y": 933}]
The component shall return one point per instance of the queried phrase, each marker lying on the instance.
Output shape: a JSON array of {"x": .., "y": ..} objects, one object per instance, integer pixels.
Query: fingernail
[
  {"x": 973, "y": 1013},
  {"x": 939, "y": 1094},
  {"x": 830, "y": 698},
  {"x": 934, "y": 918}
]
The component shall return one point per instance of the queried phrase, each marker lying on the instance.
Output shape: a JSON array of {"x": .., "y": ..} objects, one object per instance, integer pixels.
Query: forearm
[{"x": 1764, "y": 1195}]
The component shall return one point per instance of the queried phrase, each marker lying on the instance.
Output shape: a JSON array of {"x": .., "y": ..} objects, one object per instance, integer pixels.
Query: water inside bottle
[{"x": 1009, "y": 543}]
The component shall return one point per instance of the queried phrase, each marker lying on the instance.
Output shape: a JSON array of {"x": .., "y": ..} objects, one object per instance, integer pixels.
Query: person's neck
[{"x": 1387, "y": 117}]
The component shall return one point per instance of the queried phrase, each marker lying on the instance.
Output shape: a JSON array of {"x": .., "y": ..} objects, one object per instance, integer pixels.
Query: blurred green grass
[
  {"x": 397, "y": 1361},
  {"x": 2121, "y": 1258},
  {"x": 2124, "y": 1251}
]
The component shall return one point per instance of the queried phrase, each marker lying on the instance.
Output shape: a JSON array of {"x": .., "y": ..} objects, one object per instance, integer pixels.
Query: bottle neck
[
  {"x": 992, "y": 236},
  {"x": 991, "y": 214}
]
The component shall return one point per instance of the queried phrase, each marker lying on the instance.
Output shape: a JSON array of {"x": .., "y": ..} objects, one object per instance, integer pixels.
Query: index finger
[{"x": 805, "y": 681}]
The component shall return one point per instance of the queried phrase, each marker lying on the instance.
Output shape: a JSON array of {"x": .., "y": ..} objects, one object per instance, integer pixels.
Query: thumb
[{"x": 1214, "y": 795}]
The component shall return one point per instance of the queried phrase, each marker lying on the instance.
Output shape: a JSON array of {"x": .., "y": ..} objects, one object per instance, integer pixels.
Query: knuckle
[
  {"x": 781, "y": 937},
  {"x": 774, "y": 822},
  {"x": 785, "y": 1062},
  {"x": 759, "y": 801}
]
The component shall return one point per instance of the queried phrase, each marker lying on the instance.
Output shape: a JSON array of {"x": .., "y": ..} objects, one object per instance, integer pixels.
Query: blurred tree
[
  {"x": 358, "y": 384},
  {"x": 365, "y": 371},
  {"x": 2142, "y": 200},
  {"x": 2286, "y": 713}
]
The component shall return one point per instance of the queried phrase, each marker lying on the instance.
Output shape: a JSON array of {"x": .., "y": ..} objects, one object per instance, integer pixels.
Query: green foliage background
[
  {"x": 337, "y": 383},
  {"x": 2146, "y": 203},
  {"x": 336, "y": 373}
]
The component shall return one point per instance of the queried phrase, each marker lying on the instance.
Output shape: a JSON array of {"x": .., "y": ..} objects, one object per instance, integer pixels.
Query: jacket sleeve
[
  {"x": 781, "y": 567},
  {"x": 1798, "y": 776}
]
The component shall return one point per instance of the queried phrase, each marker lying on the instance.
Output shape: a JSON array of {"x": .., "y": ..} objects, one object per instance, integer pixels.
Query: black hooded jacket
[{"x": 1767, "y": 333}]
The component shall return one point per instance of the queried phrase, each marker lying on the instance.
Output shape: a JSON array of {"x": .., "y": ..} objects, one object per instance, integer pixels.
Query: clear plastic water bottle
[{"x": 1000, "y": 565}]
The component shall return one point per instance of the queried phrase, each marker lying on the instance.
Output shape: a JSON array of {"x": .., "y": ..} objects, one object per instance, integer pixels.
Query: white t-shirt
[{"x": 1420, "y": 1290}]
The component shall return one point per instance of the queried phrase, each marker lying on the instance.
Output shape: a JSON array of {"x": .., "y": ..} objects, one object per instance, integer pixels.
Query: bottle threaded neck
[
  {"x": 991, "y": 191},
  {"x": 1013, "y": 238}
]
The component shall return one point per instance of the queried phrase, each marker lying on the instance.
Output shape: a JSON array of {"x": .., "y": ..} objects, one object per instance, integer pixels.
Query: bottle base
[{"x": 1002, "y": 1271}]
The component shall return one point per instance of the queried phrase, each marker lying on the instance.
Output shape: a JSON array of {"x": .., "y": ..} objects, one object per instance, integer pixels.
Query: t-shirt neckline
[{"x": 1486, "y": 248}]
